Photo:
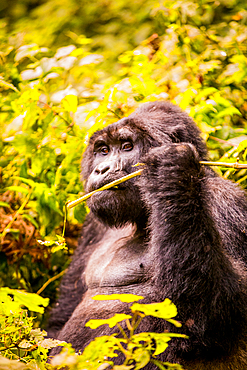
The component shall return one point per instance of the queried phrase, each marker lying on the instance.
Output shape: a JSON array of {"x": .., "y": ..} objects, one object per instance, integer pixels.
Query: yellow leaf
[
  {"x": 8, "y": 85},
  {"x": 69, "y": 103},
  {"x": 120, "y": 297},
  {"x": 94, "y": 324},
  {"x": 164, "y": 310}
]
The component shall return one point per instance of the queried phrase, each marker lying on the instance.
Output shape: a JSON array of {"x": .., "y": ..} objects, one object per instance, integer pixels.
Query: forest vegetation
[{"x": 68, "y": 68}]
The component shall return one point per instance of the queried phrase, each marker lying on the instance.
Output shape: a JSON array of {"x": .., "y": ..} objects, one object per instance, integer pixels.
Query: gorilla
[{"x": 178, "y": 231}]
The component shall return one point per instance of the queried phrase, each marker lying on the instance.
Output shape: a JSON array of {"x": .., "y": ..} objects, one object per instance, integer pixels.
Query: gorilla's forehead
[{"x": 119, "y": 131}]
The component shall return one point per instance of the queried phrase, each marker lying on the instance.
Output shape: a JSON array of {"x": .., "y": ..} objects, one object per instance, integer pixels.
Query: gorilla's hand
[
  {"x": 181, "y": 155},
  {"x": 172, "y": 170}
]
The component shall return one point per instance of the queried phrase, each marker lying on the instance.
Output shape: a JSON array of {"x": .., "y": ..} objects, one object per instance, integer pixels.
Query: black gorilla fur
[{"x": 177, "y": 231}]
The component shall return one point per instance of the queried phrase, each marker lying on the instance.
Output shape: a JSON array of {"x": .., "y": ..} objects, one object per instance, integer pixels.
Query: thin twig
[
  {"x": 235, "y": 165},
  {"x": 122, "y": 331},
  {"x": 105, "y": 187},
  {"x": 225, "y": 142},
  {"x": 51, "y": 280},
  {"x": 6, "y": 229},
  {"x": 74, "y": 203}
]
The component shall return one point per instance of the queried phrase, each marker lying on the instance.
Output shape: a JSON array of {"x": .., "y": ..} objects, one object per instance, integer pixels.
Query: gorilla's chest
[{"x": 118, "y": 260}]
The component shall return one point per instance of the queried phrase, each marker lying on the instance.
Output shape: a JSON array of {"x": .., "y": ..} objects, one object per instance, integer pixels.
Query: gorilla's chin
[{"x": 117, "y": 207}]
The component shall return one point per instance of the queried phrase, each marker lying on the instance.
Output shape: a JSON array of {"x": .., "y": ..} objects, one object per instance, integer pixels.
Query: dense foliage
[
  {"x": 20, "y": 340},
  {"x": 68, "y": 68}
]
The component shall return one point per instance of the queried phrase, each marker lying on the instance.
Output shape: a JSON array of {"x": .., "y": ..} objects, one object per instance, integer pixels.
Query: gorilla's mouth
[
  {"x": 118, "y": 187},
  {"x": 113, "y": 188},
  {"x": 98, "y": 185}
]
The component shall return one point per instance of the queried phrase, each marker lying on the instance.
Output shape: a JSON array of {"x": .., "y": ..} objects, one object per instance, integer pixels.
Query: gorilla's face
[{"x": 115, "y": 151}]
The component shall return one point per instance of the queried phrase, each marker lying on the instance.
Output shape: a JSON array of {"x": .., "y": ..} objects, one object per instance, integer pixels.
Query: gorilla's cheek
[
  {"x": 107, "y": 199},
  {"x": 91, "y": 184}
]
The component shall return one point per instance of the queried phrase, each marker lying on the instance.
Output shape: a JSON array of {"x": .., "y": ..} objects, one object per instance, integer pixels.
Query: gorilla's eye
[
  {"x": 104, "y": 150},
  {"x": 127, "y": 146}
]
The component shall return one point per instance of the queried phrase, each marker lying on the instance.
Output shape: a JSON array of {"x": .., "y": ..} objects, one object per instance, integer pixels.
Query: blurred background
[{"x": 69, "y": 67}]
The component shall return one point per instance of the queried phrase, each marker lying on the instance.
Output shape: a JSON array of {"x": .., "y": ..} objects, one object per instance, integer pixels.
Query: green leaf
[
  {"x": 161, "y": 340},
  {"x": 60, "y": 244},
  {"x": 4, "y": 204},
  {"x": 165, "y": 310},
  {"x": 7, "y": 85},
  {"x": 26, "y": 181},
  {"x": 120, "y": 297},
  {"x": 228, "y": 112},
  {"x": 30, "y": 219},
  {"x": 141, "y": 357},
  {"x": 205, "y": 92},
  {"x": 118, "y": 317},
  {"x": 242, "y": 146},
  {"x": 30, "y": 300},
  {"x": 49, "y": 343},
  {"x": 102, "y": 347},
  {"x": 25, "y": 344},
  {"x": 18, "y": 189},
  {"x": 69, "y": 103},
  {"x": 56, "y": 245}
]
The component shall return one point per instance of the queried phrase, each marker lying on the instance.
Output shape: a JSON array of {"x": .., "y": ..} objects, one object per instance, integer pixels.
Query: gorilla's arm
[
  {"x": 229, "y": 208},
  {"x": 73, "y": 285},
  {"x": 192, "y": 269}
]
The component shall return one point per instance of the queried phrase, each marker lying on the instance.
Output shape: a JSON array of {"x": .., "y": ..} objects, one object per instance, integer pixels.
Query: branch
[
  {"x": 105, "y": 187},
  {"x": 6, "y": 229},
  {"x": 235, "y": 165},
  {"x": 50, "y": 281},
  {"x": 74, "y": 203}
]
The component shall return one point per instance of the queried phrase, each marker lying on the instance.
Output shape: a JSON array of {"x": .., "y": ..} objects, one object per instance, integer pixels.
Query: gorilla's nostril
[
  {"x": 101, "y": 169},
  {"x": 104, "y": 170}
]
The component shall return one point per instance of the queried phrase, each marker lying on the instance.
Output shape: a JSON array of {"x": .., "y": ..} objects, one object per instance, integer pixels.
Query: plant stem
[
  {"x": 105, "y": 187},
  {"x": 235, "y": 165},
  {"x": 74, "y": 203}
]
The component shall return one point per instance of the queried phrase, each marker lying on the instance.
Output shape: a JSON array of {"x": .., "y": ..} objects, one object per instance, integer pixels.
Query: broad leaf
[{"x": 118, "y": 317}]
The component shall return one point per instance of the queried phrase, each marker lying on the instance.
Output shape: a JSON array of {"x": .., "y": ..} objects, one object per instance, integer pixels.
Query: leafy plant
[
  {"x": 19, "y": 339},
  {"x": 21, "y": 343},
  {"x": 89, "y": 66},
  {"x": 138, "y": 348}
]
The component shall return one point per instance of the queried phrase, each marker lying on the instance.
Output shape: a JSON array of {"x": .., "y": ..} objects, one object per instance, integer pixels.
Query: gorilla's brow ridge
[{"x": 116, "y": 133}]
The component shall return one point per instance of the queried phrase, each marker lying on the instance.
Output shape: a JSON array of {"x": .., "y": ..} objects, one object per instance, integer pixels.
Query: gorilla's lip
[
  {"x": 117, "y": 187},
  {"x": 121, "y": 186},
  {"x": 113, "y": 188}
]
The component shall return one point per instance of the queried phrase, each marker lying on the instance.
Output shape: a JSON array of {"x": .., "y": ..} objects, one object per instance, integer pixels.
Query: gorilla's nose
[
  {"x": 102, "y": 168},
  {"x": 107, "y": 166}
]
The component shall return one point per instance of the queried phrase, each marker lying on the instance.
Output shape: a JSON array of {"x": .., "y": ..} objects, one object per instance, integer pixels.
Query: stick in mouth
[
  {"x": 74, "y": 203},
  {"x": 105, "y": 187}
]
